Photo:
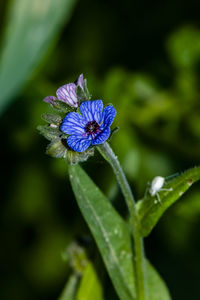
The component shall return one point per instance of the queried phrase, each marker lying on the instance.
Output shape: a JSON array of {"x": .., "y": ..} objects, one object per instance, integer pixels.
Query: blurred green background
[{"x": 144, "y": 58}]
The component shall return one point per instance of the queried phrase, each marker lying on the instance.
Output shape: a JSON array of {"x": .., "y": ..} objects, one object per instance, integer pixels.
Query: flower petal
[
  {"x": 80, "y": 81},
  {"x": 67, "y": 93},
  {"x": 102, "y": 137},
  {"x": 78, "y": 143},
  {"x": 92, "y": 110},
  {"x": 50, "y": 99},
  {"x": 73, "y": 123},
  {"x": 108, "y": 115}
]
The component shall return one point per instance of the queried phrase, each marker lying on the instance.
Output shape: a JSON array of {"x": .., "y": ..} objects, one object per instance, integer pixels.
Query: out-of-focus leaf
[
  {"x": 109, "y": 230},
  {"x": 157, "y": 289},
  {"x": 189, "y": 212},
  {"x": 150, "y": 210},
  {"x": 90, "y": 286},
  {"x": 32, "y": 26},
  {"x": 43, "y": 254},
  {"x": 184, "y": 47},
  {"x": 142, "y": 87},
  {"x": 70, "y": 288}
]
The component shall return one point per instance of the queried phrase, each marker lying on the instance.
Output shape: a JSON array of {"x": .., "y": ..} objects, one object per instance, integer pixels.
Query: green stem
[{"x": 111, "y": 158}]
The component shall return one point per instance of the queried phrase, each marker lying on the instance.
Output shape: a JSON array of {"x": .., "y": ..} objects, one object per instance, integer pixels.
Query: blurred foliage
[
  {"x": 148, "y": 66},
  {"x": 29, "y": 33},
  {"x": 90, "y": 287}
]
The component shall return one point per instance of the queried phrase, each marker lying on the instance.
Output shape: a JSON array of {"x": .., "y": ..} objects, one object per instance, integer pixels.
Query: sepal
[
  {"x": 74, "y": 158},
  {"x": 87, "y": 93},
  {"x": 62, "y": 106},
  {"x": 52, "y": 119},
  {"x": 80, "y": 94},
  {"x": 83, "y": 93},
  {"x": 50, "y": 132},
  {"x": 56, "y": 149}
]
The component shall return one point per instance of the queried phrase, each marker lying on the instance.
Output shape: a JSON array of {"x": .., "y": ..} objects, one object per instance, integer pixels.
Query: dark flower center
[{"x": 92, "y": 127}]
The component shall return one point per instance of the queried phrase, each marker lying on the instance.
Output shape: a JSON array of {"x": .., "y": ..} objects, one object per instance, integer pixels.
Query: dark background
[{"x": 143, "y": 57}]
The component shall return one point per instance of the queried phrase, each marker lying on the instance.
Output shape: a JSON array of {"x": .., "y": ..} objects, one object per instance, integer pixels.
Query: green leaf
[
  {"x": 150, "y": 210},
  {"x": 69, "y": 290},
  {"x": 157, "y": 289},
  {"x": 31, "y": 28},
  {"x": 109, "y": 231},
  {"x": 113, "y": 239},
  {"x": 90, "y": 286},
  {"x": 184, "y": 47}
]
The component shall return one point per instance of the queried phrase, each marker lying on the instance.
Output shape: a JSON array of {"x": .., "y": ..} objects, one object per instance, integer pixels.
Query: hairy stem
[{"x": 111, "y": 158}]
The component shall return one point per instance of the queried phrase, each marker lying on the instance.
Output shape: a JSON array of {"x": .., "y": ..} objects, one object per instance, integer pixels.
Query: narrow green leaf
[
  {"x": 157, "y": 289},
  {"x": 109, "y": 230},
  {"x": 150, "y": 210},
  {"x": 69, "y": 290},
  {"x": 90, "y": 286},
  {"x": 31, "y": 28}
]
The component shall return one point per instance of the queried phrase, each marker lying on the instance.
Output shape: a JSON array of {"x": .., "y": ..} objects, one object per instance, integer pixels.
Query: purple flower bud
[
  {"x": 67, "y": 94},
  {"x": 50, "y": 99}
]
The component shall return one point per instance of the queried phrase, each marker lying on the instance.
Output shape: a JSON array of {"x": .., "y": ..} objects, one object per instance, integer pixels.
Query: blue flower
[{"x": 92, "y": 127}]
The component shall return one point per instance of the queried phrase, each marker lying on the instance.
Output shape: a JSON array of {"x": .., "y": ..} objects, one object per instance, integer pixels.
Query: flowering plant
[
  {"x": 85, "y": 123},
  {"x": 81, "y": 125}
]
